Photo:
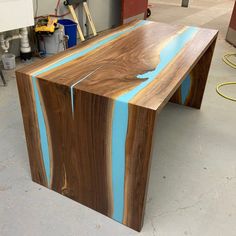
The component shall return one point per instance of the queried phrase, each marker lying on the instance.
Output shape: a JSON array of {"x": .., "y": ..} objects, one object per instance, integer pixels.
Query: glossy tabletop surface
[{"x": 139, "y": 63}]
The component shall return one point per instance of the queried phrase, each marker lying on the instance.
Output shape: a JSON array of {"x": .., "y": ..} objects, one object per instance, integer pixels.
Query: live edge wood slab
[{"x": 89, "y": 112}]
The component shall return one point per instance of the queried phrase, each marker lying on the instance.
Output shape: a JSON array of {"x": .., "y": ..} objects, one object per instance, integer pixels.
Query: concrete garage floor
[{"x": 192, "y": 187}]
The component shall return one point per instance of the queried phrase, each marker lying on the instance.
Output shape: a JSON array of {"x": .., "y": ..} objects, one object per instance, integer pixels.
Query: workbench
[{"x": 89, "y": 112}]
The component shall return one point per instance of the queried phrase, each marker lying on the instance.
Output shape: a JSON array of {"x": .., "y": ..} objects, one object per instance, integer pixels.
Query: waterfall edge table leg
[
  {"x": 191, "y": 91},
  {"x": 94, "y": 172},
  {"x": 28, "y": 109},
  {"x": 138, "y": 161}
]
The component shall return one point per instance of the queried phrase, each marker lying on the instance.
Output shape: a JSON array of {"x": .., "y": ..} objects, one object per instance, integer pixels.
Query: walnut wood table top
[
  {"x": 139, "y": 63},
  {"x": 89, "y": 112}
]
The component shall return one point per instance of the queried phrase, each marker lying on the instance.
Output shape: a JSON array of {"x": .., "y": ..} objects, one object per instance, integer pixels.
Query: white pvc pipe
[
  {"x": 25, "y": 47},
  {"x": 8, "y": 39}
]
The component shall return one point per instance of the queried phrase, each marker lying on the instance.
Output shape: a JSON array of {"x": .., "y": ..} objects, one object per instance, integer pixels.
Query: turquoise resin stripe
[
  {"x": 120, "y": 118},
  {"x": 40, "y": 116},
  {"x": 185, "y": 89},
  {"x": 42, "y": 131},
  {"x": 102, "y": 42}
]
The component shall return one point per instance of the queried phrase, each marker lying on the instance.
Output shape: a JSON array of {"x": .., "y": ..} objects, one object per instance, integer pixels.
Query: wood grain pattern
[
  {"x": 82, "y": 163},
  {"x": 31, "y": 128},
  {"x": 138, "y": 150},
  {"x": 89, "y": 112}
]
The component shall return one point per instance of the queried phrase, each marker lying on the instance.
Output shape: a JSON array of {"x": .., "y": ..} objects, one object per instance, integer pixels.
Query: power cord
[
  {"x": 228, "y": 61},
  {"x": 233, "y": 65}
]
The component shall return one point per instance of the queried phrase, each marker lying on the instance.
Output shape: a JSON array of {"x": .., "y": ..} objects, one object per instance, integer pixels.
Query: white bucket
[{"x": 9, "y": 61}]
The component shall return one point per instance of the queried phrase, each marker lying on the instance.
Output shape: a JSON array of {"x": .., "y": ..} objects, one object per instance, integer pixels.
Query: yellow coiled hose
[{"x": 233, "y": 65}]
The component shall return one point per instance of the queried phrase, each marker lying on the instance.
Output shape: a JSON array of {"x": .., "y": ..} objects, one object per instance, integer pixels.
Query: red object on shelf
[
  {"x": 134, "y": 9},
  {"x": 231, "y": 35},
  {"x": 233, "y": 18}
]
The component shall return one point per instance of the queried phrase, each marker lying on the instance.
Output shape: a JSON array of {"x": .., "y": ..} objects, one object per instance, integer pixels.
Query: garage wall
[
  {"x": 106, "y": 14},
  {"x": 46, "y": 7}
]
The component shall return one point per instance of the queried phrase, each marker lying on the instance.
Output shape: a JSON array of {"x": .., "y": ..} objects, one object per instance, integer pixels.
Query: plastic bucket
[
  {"x": 70, "y": 30},
  {"x": 9, "y": 61}
]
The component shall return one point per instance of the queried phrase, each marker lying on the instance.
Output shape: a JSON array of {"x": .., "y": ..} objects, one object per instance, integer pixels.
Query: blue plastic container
[{"x": 70, "y": 30}]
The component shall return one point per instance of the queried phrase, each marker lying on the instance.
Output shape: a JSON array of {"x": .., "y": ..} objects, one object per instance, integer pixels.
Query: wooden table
[{"x": 89, "y": 112}]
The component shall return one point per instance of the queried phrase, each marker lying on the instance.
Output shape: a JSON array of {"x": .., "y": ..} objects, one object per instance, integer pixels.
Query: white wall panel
[{"x": 15, "y": 14}]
